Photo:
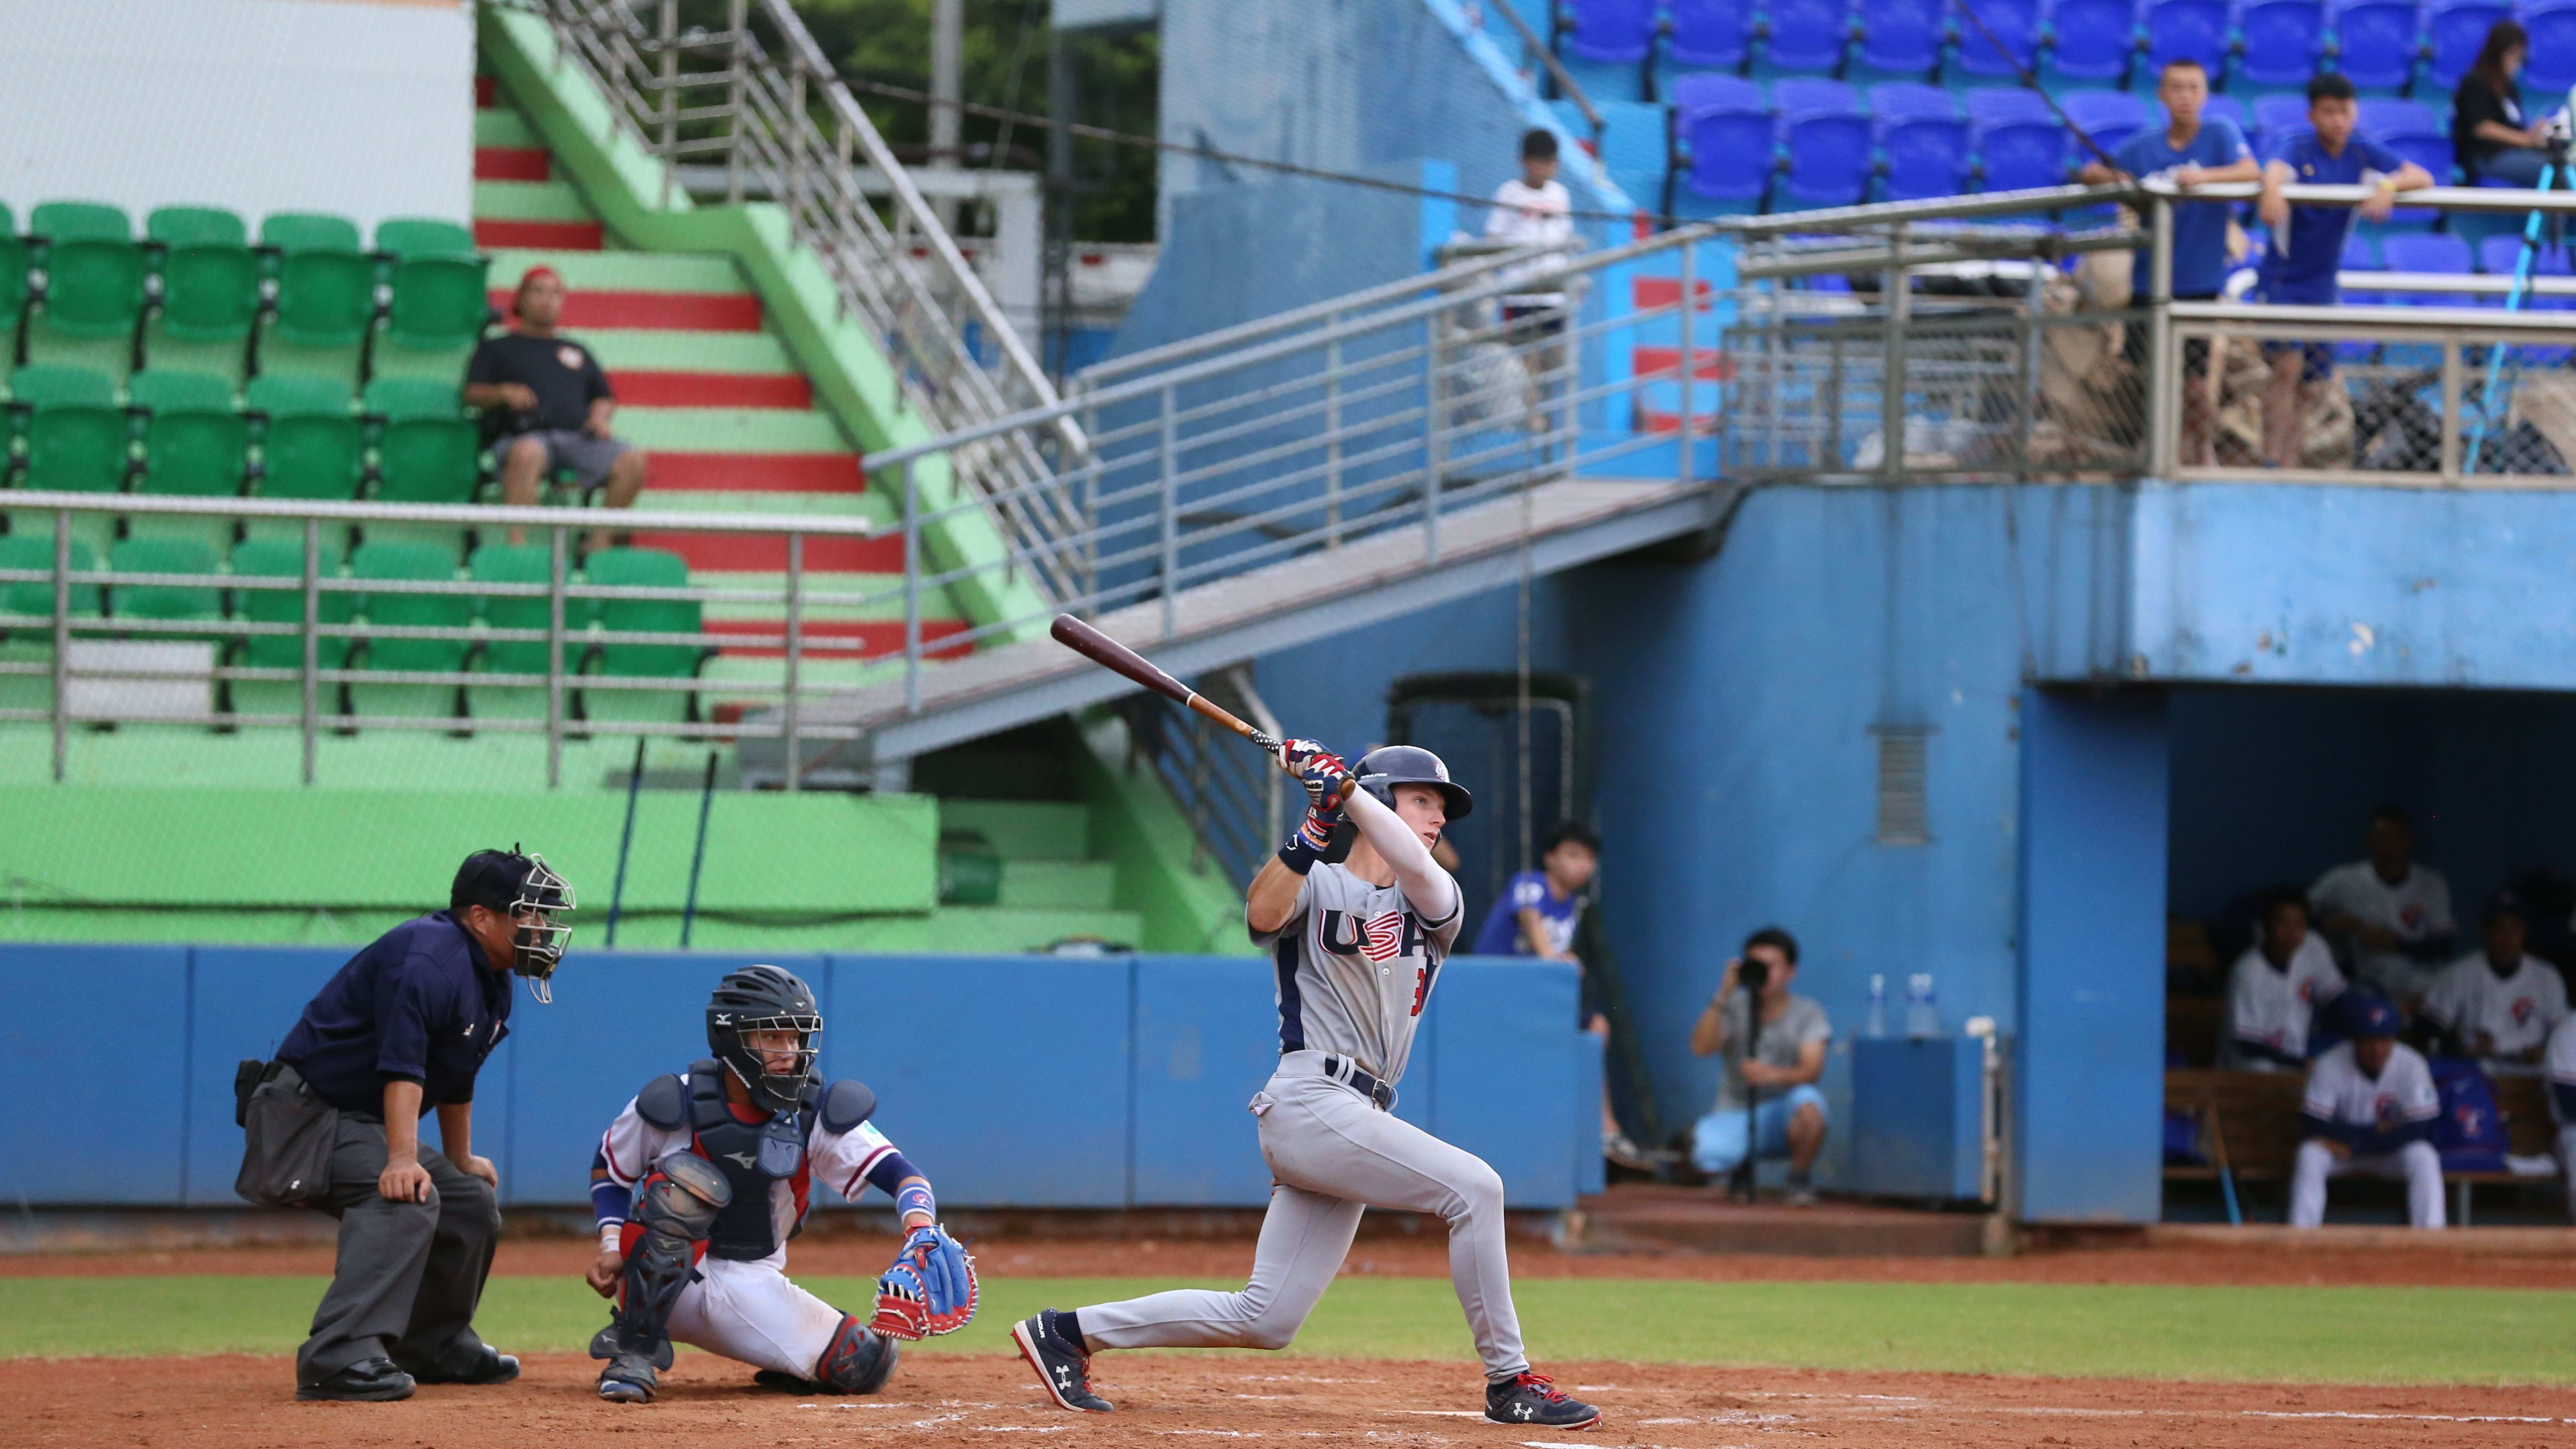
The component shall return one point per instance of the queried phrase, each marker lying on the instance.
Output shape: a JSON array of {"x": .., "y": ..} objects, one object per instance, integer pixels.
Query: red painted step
[
  {"x": 766, "y": 553},
  {"x": 1703, "y": 425},
  {"x": 712, "y": 389},
  {"x": 669, "y": 311},
  {"x": 1707, "y": 363},
  {"x": 1646, "y": 292},
  {"x": 560, "y": 236},
  {"x": 487, "y": 92},
  {"x": 753, "y": 472},
  {"x": 843, "y": 639},
  {"x": 511, "y": 163}
]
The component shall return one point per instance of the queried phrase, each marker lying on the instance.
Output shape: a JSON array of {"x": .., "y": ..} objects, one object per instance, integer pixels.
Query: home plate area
[{"x": 236, "y": 1402}]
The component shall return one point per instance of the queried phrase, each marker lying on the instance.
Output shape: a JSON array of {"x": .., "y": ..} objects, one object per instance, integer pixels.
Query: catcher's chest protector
[{"x": 752, "y": 1156}]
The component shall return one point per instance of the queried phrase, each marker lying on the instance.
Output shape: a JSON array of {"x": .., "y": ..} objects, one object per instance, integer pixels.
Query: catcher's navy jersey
[{"x": 1355, "y": 965}]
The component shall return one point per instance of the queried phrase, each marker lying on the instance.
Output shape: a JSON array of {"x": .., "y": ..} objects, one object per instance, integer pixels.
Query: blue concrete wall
[{"x": 1020, "y": 1081}]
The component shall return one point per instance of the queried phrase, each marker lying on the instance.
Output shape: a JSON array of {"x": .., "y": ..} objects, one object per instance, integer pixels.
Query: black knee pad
[
  {"x": 856, "y": 1361},
  {"x": 676, "y": 1206}
]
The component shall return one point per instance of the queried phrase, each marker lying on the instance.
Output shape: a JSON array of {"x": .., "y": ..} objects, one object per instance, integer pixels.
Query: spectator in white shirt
[
  {"x": 2276, "y": 989},
  {"x": 1533, "y": 209},
  {"x": 2390, "y": 912},
  {"x": 2498, "y": 1004}
]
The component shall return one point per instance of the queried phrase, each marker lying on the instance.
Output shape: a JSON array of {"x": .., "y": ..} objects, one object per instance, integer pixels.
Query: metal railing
[
  {"x": 91, "y": 618},
  {"x": 1235, "y": 798},
  {"x": 781, "y": 124}
]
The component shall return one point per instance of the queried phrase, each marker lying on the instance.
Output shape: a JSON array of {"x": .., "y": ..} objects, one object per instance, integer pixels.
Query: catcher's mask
[
  {"x": 525, "y": 889},
  {"x": 764, "y": 998}
]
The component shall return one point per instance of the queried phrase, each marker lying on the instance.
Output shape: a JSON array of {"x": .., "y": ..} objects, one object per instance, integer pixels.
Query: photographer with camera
[{"x": 1767, "y": 1102}]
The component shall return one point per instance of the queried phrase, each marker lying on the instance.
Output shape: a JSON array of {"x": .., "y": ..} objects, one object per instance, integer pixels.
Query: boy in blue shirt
[
  {"x": 2190, "y": 152},
  {"x": 2307, "y": 244}
]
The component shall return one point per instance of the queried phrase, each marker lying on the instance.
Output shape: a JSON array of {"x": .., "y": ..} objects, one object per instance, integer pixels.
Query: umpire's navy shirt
[{"x": 419, "y": 1005}]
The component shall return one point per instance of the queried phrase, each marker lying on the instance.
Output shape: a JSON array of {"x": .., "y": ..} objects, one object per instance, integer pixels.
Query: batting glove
[{"x": 1316, "y": 768}]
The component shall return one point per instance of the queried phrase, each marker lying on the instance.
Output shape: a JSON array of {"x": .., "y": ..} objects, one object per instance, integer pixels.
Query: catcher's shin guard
[
  {"x": 675, "y": 1206},
  {"x": 856, "y": 1361}
]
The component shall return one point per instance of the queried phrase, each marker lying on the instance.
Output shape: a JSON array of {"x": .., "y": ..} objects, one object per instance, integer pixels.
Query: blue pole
[
  {"x": 706, "y": 801},
  {"x": 2512, "y": 303},
  {"x": 626, "y": 839}
]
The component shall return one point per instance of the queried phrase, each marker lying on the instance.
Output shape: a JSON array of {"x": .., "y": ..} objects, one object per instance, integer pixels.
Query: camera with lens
[{"x": 1754, "y": 974}]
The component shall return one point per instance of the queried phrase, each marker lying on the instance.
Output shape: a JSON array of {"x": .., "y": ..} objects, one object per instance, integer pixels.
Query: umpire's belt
[{"x": 1348, "y": 1073}]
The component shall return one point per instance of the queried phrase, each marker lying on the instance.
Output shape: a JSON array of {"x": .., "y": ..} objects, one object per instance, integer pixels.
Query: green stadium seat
[
  {"x": 93, "y": 296},
  {"x": 196, "y": 444},
  {"x": 33, "y": 644},
  {"x": 209, "y": 294},
  {"x": 515, "y": 563},
  {"x": 427, "y": 451},
  {"x": 439, "y": 306},
  {"x": 281, "y": 558},
  {"x": 326, "y": 296},
  {"x": 642, "y": 568},
  {"x": 311, "y": 446},
  {"x": 164, "y": 602},
  {"x": 410, "y": 561},
  {"x": 402, "y": 236},
  {"x": 13, "y": 270},
  {"x": 70, "y": 436}
]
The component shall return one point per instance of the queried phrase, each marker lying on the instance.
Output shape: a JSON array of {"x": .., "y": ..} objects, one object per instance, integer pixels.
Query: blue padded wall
[
  {"x": 103, "y": 1131},
  {"x": 1207, "y": 1037},
  {"x": 1504, "y": 1071},
  {"x": 246, "y": 1000}
]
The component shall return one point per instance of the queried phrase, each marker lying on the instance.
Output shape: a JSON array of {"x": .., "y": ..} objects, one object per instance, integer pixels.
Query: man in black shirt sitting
[{"x": 554, "y": 404}]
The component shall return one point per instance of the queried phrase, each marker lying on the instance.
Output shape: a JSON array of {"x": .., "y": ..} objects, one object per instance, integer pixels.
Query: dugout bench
[{"x": 2249, "y": 1128}]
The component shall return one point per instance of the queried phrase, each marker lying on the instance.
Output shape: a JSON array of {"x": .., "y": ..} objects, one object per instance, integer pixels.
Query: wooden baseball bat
[{"x": 1109, "y": 654}]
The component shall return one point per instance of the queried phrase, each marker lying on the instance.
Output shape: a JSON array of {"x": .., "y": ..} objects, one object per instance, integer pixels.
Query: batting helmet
[
  {"x": 2371, "y": 1015},
  {"x": 764, "y": 998},
  {"x": 1387, "y": 766}
]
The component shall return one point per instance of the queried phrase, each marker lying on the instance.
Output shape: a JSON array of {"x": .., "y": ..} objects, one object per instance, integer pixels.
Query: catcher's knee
[
  {"x": 856, "y": 1361},
  {"x": 676, "y": 1206}
]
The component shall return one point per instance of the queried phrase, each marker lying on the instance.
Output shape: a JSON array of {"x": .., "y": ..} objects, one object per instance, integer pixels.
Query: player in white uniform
[
  {"x": 2559, "y": 1060},
  {"x": 707, "y": 1173},
  {"x": 2391, "y": 911},
  {"x": 2498, "y": 1004},
  {"x": 2275, "y": 989},
  {"x": 2370, "y": 1107},
  {"x": 1357, "y": 947}
]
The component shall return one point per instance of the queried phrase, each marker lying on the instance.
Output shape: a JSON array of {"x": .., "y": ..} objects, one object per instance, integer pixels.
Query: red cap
[{"x": 529, "y": 278}]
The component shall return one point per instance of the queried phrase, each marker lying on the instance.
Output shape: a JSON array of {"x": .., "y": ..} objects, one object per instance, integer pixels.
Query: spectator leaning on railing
[{"x": 554, "y": 404}]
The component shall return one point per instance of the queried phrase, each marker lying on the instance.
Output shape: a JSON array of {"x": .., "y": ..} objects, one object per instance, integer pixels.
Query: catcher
[{"x": 703, "y": 1178}]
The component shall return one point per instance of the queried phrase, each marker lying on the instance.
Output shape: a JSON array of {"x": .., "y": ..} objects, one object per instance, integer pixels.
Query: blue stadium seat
[
  {"x": 2224, "y": 107},
  {"x": 2501, "y": 254},
  {"x": 2376, "y": 42},
  {"x": 2360, "y": 253},
  {"x": 1808, "y": 35},
  {"x": 2410, "y": 129},
  {"x": 2018, "y": 140},
  {"x": 2016, "y": 27},
  {"x": 1609, "y": 30},
  {"x": 2280, "y": 41},
  {"x": 1724, "y": 124},
  {"x": 2426, "y": 251},
  {"x": 1825, "y": 135},
  {"x": 2276, "y": 120},
  {"x": 1710, "y": 34},
  {"x": 2455, "y": 29},
  {"x": 2109, "y": 117},
  {"x": 2093, "y": 40},
  {"x": 2187, "y": 30},
  {"x": 1923, "y": 138},
  {"x": 2551, "y": 71},
  {"x": 1635, "y": 147},
  {"x": 1903, "y": 37}
]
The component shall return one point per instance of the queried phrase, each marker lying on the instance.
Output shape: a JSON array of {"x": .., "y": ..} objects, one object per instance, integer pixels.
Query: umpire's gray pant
[
  {"x": 1334, "y": 1155},
  {"x": 409, "y": 1274}
]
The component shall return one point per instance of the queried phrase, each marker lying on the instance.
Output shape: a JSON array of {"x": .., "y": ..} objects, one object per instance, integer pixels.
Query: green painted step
[
  {"x": 842, "y": 505},
  {"x": 731, "y": 430},
  {"x": 504, "y": 126},
  {"x": 994, "y": 930},
  {"x": 1023, "y": 829},
  {"x": 624, "y": 271},
  {"x": 1086, "y": 884},
  {"x": 650, "y": 350},
  {"x": 530, "y": 201},
  {"x": 888, "y": 603},
  {"x": 952, "y": 931},
  {"x": 183, "y": 755}
]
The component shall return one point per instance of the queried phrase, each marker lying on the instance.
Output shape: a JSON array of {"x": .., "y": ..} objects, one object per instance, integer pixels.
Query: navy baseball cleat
[
  {"x": 1535, "y": 1400},
  {"x": 1066, "y": 1374}
]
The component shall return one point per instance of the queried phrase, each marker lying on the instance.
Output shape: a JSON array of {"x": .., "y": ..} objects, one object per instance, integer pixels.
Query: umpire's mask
[{"x": 525, "y": 889}]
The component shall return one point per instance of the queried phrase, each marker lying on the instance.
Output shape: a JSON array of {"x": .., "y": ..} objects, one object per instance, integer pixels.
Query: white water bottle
[
  {"x": 1922, "y": 1015},
  {"x": 1877, "y": 1006}
]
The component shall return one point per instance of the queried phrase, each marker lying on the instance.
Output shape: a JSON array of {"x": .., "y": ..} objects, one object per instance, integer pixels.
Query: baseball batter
[
  {"x": 707, "y": 1173},
  {"x": 1357, "y": 947}
]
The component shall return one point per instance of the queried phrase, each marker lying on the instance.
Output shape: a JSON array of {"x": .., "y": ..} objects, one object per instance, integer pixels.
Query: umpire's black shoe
[
  {"x": 1066, "y": 1374},
  {"x": 368, "y": 1381},
  {"x": 491, "y": 1367},
  {"x": 1535, "y": 1400}
]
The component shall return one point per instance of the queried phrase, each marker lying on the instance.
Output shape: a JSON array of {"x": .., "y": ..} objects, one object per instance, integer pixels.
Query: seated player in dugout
[
  {"x": 1537, "y": 916},
  {"x": 2498, "y": 1003},
  {"x": 1356, "y": 924},
  {"x": 705, "y": 1176},
  {"x": 2276, "y": 989},
  {"x": 553, "y": 405},
  {"x": 2369, "y": 1108}
]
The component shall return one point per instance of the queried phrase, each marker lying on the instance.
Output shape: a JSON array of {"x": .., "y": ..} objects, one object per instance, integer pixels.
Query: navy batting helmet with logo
[{"x": 1387, "y": 766}]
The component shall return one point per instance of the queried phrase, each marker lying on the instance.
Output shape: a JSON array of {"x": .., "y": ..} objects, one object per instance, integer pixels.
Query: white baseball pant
[
  {"x": 2567, "y": 1164},
  {"x": 2416, "y": 1162},
  {"x": 752, "y": 1313},
  {"x": 1333, "y": 1154}
]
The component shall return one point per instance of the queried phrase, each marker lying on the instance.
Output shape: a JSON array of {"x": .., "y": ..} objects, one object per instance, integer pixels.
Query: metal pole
[
  {"x": 2163, "y": 402},
  {"x": 798, "y": 124},
  {"x": 1171, "y": 507},
  {"x": 555, "y": 662},
  {"x": 1333, "y": 437},
  {"x": 1435, "y": 330},
  {"x": 735, "y": 21},
  {"x": 1682, "y": 468},
  {"x": 795, "y": 658},
  {"x": 1891, "y": 402},
  {"x": 2035, "y": 310},
  {"x": 626, "y": 839},
  {"x": 911, "y": 590},
  {"x": 63, "y": 639},
  {"x": 947, "y": 87},
  {"x": 698, "y": 857},
  {"x": 2451, "y": 463},
  {"x": 670, "y": 34},
  {"x": 312, "y": 639}
]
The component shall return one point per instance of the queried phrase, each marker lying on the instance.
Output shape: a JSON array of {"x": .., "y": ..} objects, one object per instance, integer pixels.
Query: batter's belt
[{"x": 1381, "y": 1095}]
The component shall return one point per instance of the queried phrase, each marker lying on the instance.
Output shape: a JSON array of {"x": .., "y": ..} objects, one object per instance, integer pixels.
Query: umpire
[{"x": 333, "y": 1124}]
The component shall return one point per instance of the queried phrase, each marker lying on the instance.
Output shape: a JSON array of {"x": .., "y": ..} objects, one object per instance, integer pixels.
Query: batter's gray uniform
[{"x": 1356, "y": 963}]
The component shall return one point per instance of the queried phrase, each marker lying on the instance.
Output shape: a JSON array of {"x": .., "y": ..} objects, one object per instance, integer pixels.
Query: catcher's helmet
[
  {"x": 764, "y": 998},
  {"x": 525, "y": 889},
  {"x": 1387, "y": 766}
]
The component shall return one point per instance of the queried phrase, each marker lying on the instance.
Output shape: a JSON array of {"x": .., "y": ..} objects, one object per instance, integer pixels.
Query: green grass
[{"x": 2270, "y": 1335}]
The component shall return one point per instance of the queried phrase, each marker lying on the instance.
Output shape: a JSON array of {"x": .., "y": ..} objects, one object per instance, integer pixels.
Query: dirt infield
[
  {"x": 1426, "y": 1256},
  {"x": 238, "y": 1403}
]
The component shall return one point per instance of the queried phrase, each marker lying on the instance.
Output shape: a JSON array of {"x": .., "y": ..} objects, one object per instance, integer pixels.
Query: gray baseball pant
[
  {"x": 1333, "y": 1154},
  {"x": 409, "y": 1274}
]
